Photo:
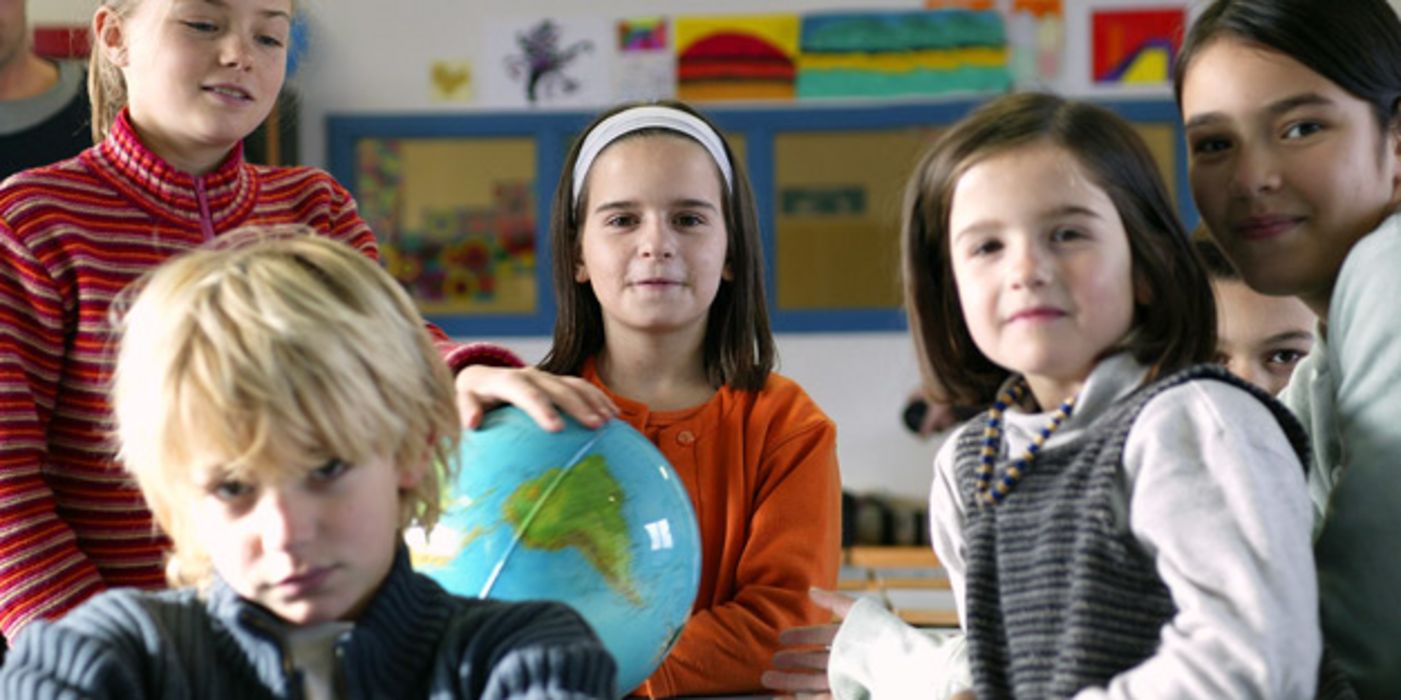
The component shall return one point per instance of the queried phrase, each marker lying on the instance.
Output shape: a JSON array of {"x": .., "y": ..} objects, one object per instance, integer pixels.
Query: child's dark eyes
[
  {"x": 1299, "y": 130},
  {"x": 201, "y": 26},
  {"x": 1062, "y": 235},
  {"x": 231, "y": 490},
  {"x": 689, "y": 220},
  {"x": 271, "y": 41},
  {"x": 1210, "y": 145},
  {"x": 329, "y": 471},
  {"x": 1285, "y": 357},
  {"x": 985, "y": 248},
  {"x": 621, "y": 220}
]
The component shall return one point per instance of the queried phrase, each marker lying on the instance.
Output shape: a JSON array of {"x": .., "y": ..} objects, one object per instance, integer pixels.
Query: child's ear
[
  {"x": 581, "y": 273},
  {"x": 110, "y": 35},
  {"x": 726, "y": 273},
  {"x": 411, "y": 475},
  {"x": 1393, "y": 136},
  {"x": 1142, "y": 291}
]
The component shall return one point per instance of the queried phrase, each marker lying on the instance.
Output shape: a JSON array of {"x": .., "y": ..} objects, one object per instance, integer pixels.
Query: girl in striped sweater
[{"x": 176, "y": 85}]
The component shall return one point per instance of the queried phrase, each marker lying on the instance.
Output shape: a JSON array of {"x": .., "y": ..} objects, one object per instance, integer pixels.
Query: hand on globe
[{"x": 481, "y": 388}]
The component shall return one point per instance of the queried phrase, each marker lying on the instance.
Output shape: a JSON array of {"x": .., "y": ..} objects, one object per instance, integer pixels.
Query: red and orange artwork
[
  {"x": 736, "y": 58},
  {"x": 1136, "y": 46}
]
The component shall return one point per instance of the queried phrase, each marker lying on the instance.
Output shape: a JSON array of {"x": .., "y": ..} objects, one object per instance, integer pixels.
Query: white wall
[{"x": 373, "y": 55}]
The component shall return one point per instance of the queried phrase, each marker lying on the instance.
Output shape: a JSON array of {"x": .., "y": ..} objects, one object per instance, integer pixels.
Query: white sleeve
[
  {"x": 1217, "y": 498},
  {"x": 946, "y": 522},
  {"x": 876, "y": 655}
]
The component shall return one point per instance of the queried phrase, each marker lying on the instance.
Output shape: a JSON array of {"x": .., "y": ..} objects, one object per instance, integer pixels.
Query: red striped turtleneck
[{"x": 72, "y": 235}]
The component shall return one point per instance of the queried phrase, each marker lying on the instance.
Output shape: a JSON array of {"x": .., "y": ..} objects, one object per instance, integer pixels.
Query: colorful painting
[
  {"x": 736, "y": 57},
  {"x": 645, "y": 67},
  {"x": 455, "y": 219},
  {"x": 546, "y": 62},
  {"x": 1135, "y": 46},
  {"x": 642, "y": 34},
  {"x": 960, "y": 5},
  {"x": 878, "y": 54},
  {"x": 1036, "y": 38}
]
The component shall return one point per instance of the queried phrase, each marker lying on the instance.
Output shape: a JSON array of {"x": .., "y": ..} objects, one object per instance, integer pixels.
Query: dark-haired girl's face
[
  {"x": 1043, "y": 267},
  {"x": 653, "y": 239},
  {"x": 1288, "y": 169}
]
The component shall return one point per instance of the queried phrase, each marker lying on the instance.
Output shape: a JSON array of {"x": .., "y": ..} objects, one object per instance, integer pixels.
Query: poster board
[{"x": 828, "y": 182}]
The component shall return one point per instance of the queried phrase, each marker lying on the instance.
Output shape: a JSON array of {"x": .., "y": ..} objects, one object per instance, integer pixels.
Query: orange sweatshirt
[{"x": 761, "y": 470}]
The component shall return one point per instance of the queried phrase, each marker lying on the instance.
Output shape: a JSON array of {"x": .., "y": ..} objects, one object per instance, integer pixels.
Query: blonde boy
[{"x": 283, "y": 410}]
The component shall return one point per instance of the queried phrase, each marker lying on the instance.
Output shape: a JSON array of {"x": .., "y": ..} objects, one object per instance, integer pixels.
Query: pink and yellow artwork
[
  {"x": 1136, "y": 46},
  {"x": 742, "y": 57}
]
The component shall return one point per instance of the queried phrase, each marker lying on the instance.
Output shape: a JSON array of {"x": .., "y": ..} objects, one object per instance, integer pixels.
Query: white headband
[{"x": 648, "y": 117}]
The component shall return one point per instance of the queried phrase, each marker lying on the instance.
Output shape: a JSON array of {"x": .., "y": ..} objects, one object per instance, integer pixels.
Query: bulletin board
[{"x": 460, "y": 203}]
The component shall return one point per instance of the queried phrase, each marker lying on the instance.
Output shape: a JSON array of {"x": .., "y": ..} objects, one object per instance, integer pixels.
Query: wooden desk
[{"x": 908, "y": 580}]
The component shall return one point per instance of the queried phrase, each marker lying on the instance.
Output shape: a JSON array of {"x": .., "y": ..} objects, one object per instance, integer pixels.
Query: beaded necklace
[{"x": 990, "y": 494}]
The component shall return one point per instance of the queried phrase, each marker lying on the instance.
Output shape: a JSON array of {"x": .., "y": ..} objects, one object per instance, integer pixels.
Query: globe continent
[{"x": 596, "y": 519}]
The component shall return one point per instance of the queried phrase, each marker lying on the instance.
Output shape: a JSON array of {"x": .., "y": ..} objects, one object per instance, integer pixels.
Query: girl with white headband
[{"x": 659, "y": 284}]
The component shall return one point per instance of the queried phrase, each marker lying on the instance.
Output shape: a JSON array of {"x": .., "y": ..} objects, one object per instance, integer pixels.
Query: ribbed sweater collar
[
  {"x": 229, "y": 191},
  {"x": 395, "y": 637}
]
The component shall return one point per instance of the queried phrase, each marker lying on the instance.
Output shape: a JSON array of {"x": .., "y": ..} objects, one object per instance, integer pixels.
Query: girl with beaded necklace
[{"x": 1124, "y": 521}]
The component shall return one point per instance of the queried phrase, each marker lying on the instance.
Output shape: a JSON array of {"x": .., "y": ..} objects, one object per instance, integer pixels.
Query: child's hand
[
  {"x": 802, "y": 663},
  {"x": 481, "y": 388}
]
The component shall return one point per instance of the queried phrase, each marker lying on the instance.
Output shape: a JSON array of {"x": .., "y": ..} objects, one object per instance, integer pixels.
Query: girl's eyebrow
[
  {"x": 274, "y": 14},
  {"x": 679, "y": 204},
  {"x": 1052, "y": 213},
  {"x": 1274, "y": 109}
]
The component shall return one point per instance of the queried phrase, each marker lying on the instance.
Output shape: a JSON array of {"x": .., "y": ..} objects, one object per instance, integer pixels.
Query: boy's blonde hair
[{"x": 275, "y": 350}]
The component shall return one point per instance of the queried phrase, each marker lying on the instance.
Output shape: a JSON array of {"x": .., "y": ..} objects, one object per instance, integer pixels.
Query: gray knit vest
[{"x": 1059, "y": 595}]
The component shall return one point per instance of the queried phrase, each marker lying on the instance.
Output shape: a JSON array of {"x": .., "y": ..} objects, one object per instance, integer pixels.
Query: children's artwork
[
  {"x": 878, "y": 54},
  {"x": 1036, "y": 40},
  {"x": 736, "y": 57},
  {"x": 642, "y": 34},
  {"x": 546, "y": 62},
  {"x": 451, "y": 81},
  {"x": 1135, "y": 46},
  {"x": 455, "y": 219},
  {"x": 645, "y": 67},
  {"x": 960, "y": 5}
]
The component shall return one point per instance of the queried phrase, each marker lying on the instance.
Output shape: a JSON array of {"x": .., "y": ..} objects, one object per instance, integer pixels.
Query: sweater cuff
[{"x": 461, "y": 355}]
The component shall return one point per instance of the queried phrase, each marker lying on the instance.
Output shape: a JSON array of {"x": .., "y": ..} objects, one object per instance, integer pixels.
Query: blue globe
[{"x": 596, "y": 519}]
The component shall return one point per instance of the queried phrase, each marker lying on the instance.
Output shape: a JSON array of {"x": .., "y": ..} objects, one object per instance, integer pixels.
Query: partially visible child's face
[
  {"x": 1042, "y": 264},
  {"x": 312, "y": 544},
  {"x": 1261, "y": 338},
  {"x": 1288, "y": 169},
  {"x": 653, "y": 239},
  {"x": 200, "y": 75}
]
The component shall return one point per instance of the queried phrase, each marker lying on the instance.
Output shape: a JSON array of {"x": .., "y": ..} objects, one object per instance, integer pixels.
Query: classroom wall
[{"x": 372, "y": 56}]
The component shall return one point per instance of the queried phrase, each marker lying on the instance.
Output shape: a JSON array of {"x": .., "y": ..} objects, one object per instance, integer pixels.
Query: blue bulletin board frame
[{"x": 552, "y": 131}]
